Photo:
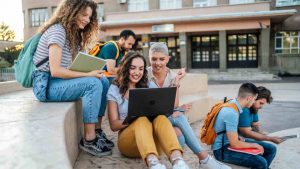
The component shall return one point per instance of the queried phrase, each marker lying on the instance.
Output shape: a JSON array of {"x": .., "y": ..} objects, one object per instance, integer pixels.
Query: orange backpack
[
  {"x": 95, "y": 51},
  {"x": 208, "y": 133}
]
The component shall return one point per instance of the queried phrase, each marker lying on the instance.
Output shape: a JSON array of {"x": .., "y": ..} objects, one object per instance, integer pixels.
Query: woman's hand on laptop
[
  {"x": 96, "y": 73},
  {"x": 186, "y": 107},
  {"x": 176, "y": 113}
]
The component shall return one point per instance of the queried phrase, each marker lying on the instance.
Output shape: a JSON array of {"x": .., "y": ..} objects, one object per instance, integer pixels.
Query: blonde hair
[{"x": 66, "y": 14}]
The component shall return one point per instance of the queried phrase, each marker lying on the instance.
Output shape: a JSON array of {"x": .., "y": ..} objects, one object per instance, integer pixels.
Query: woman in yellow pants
[{"x": 142, "y": 138}]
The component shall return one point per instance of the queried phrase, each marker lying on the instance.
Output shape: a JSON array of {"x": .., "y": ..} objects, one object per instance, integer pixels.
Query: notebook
[
  {"x": 253, "y": 151},
  {"x": 84, "y": 62},
  {"x": 150, "y": 102}
]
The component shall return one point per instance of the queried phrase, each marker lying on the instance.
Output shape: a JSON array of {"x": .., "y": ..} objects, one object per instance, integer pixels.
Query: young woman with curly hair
[
  {"x": 66, "y": 33},
  {"x": 143, "y": 137}
]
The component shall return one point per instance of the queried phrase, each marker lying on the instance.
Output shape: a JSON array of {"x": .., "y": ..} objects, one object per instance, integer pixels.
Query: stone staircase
[{"x": 237, "y": 75}]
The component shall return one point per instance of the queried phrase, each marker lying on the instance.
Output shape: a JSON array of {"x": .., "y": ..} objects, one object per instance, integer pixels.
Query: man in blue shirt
[
  {"x": 226, "y": 124},
  {"x": 248, "y": 121},
  {"x": 112, "y": 49}
]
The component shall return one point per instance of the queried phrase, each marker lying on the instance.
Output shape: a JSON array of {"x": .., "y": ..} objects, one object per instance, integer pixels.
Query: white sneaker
[
  {"x": 158, "y": 166},
  {"x": 213, "y": 164},
  {"x": 180, "y": 164}
]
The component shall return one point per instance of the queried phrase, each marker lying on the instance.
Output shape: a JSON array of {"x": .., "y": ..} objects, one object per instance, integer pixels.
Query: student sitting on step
[
  {"x": 142, "y": 137},
  {"x": 67, "y": 32},
  {"x": 226, "y": 125},
  {"x": 161, "y": 76}
]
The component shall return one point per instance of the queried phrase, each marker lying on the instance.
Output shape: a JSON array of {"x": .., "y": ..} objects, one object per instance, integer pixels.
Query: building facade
[{"x": 201, "y": 34}]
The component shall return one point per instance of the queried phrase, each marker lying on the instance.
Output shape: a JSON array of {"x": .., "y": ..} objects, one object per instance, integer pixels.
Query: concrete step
[
  {"x": 200, "y": 106},
  {"x": 193, "y": 83},
  {"x": 237, "y": 74},
  {"x": 38, "y": 135}
]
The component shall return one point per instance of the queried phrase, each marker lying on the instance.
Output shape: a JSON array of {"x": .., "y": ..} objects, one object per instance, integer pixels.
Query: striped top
[{"x": 55, "y": 34}]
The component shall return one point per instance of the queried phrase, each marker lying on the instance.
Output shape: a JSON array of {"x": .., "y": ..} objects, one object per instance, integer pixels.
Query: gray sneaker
[
  {"x": 213, "y": 164},
  {"x": 96, "y": 148},
  {"x": 102, "y": 135}
]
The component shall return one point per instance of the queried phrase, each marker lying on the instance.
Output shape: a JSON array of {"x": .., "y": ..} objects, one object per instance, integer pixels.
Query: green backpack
[{"x": 24, "y": 65}]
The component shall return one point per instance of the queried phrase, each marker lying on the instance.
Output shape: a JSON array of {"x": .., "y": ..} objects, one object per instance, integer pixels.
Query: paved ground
[{"x": 283, "y": 113}]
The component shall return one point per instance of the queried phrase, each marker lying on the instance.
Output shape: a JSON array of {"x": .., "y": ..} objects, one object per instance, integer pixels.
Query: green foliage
[
  {"x": 4, "y": 63},
  {"x": 11, "y": 54},
  {"x": 6, "y": 34}
]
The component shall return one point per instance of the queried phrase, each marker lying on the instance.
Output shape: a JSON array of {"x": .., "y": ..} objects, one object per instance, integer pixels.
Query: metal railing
[{"x": 7, "y": 74}]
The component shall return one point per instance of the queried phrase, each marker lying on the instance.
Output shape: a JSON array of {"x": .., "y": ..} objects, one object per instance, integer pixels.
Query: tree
[
  {"x": 11, "y": 54},
  {"x": 6, "y": 34}
]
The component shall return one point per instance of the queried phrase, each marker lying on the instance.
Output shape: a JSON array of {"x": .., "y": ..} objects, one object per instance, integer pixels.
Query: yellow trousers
[{"x": 143, "y": 137}]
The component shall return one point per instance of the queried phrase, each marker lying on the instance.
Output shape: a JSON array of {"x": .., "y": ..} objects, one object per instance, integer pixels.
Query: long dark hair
[
  {"x": 122, "y": 80},
  {"x": 66, "y": 14}
]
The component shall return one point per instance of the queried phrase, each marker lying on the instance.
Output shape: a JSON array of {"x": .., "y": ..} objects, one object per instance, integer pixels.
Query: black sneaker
[
  {"x": 97, "y": 147},
  {"x": 102, "y": 135}
]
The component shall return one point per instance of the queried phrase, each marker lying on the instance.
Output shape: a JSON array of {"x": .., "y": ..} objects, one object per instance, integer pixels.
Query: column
[
  {"x": 265, "y": 48},
  {"x": 222, "y": 51},
  {"x": 183, "y": 49},
  {"x": 146, "y": 46}
]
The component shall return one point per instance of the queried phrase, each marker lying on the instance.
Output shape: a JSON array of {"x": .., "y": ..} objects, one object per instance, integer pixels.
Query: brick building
[{"x": 201, "y": 34}]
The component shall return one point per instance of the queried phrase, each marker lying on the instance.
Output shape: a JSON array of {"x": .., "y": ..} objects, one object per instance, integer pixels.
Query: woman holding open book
[
  {"x": 143, "y": 137},
  {"x": 67, "y": 32}
]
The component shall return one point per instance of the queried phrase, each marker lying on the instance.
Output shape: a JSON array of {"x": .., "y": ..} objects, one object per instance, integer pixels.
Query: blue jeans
[
  {"x": 92, "y": 90},
  {"x": 248, "y": 160},
  {"x": 188, "y": 136}
]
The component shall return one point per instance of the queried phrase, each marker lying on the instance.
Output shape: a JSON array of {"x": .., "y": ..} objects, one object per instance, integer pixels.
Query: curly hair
[
  {"x": 66, "y": 14},
  {"x": 122, "y": 80}
]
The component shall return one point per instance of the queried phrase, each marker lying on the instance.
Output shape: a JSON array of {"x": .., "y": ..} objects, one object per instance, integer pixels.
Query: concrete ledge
[
  {"x": 10, "y": 86},
  {"x": 193, "y": 83},
  {"x": 38, "y": 135},
  {"x": 288, "y": 152},
  {"x": 200, "y": 106}
]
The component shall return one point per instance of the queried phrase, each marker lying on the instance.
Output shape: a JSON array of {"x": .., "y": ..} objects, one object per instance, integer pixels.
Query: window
[
  {"x": 100, "y": 12},
  {"x": 138, "y": 5},
  {"x": 287, "y": 2},
  {"x": 241, "y": 1},
  {"x": 170, "y": 4},
  {"x": 205, "y": 51},
  {"x": 242, "y": 50},
  {"x": 54, "y": 9},
  {"x": 204, "y": 3},
  {"x": 287, "y": 42},
  {"x": 38, "y": 16}
]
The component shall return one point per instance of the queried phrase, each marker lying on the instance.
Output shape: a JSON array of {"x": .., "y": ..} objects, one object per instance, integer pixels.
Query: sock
[
  {"x": 90, "y": 141},
  {"x": 204, "y": 161}
]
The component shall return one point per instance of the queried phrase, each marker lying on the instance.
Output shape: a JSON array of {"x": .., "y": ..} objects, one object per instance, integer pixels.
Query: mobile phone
[{"x": 290, "y": 136}]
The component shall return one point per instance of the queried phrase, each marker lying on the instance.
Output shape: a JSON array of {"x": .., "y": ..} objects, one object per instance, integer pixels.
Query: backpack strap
[
  {"x": 42, "y": 62},
  {"x": 233, "y": 106},
  {"x": 117, "y": 47}
]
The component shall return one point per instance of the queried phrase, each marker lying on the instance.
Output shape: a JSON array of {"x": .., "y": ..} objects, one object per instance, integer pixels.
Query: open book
[
  {"x": 86, "y": 63},
  {"x": 253, "y": 151}
]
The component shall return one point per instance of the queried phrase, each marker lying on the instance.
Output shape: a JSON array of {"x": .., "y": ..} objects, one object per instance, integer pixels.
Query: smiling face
[
  {"x": 83, "y": 17},
  {"x": 158, "y": 62},
  {"x": 136, "y": 70},
  {"x": 126, "y": 44}
]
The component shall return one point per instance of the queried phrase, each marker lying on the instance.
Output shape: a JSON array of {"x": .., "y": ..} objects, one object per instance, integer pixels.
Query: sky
[{"x": 12, "y": 15}]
